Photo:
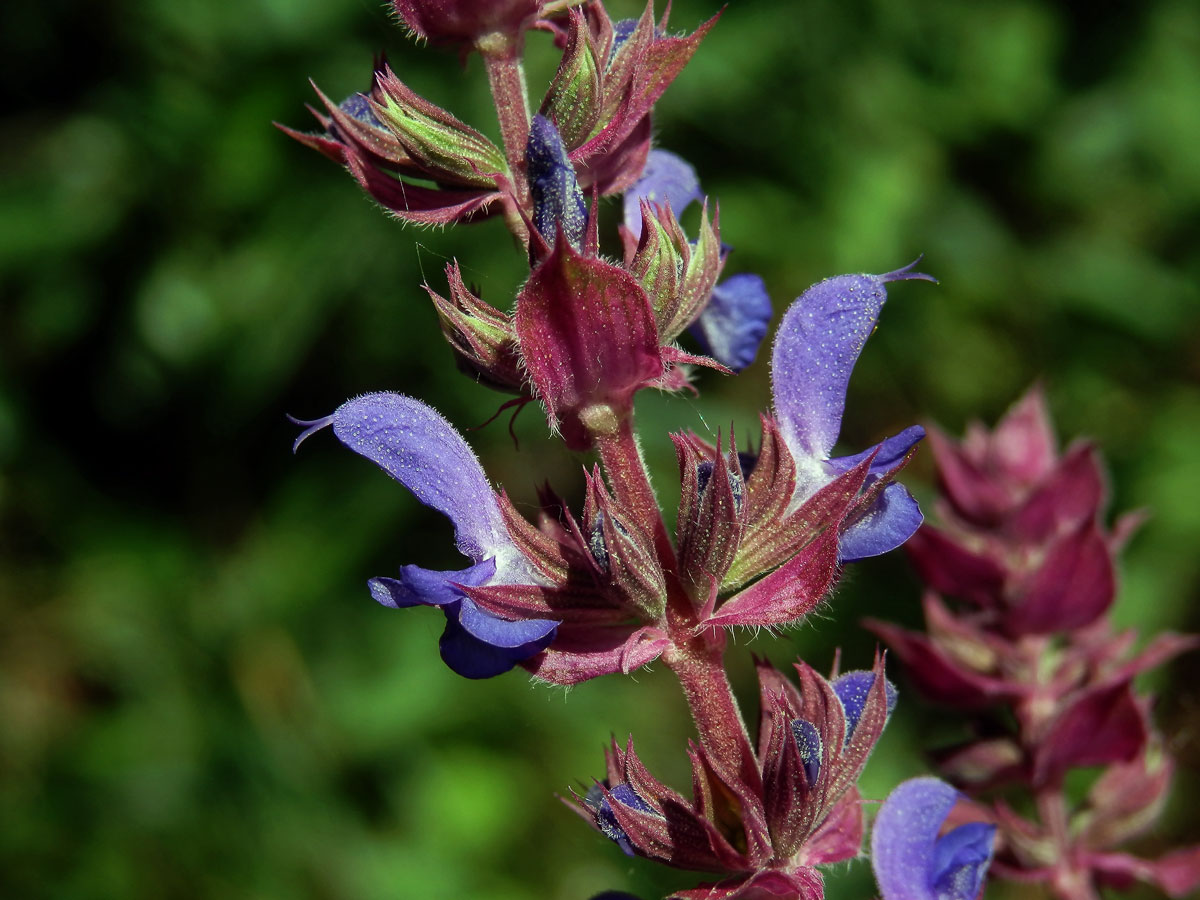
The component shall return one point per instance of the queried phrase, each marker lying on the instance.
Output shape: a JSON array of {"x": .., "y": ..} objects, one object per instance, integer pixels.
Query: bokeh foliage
[{"x": 197, "y": 697}]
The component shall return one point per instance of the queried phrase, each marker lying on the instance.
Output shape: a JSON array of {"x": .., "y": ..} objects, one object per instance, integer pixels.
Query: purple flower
[
  {"x": 557, "y": 199},
  {"x": 818, "y": 342},
  {"x": 734, "y": 320},
  {"x": 420, "y": 449},
  {"x": 912, "y": 862},
  {"x": 667, "y": 179},
  {"x": 853, "y": 689},
  {"x": 358, "y": 106},
  {"x": 606, "y": 819},
  {"x": 623, "y": 30},
  {"x": 808, "y": 742}
]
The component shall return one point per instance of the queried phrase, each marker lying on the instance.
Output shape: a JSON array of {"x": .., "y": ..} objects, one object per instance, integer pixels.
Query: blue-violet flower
[
  {"x": 557, "y": 200},
  {"x": 912, "y": 862},
  {"x": 415, "y": 445},
  {"x": 818, "y": 342}
]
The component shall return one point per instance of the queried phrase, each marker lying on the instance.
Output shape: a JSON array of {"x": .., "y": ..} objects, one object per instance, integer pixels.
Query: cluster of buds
[
  {"x": 395, "y": 142},
  {"x": 793, "y": 806},
  {"x": 766, "y": 825},
  {"x": 1025, "y": 554},
  {"x": 761, "y": 536}
]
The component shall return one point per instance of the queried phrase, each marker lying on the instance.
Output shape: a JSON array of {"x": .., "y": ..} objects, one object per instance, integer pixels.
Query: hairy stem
[
  {"x": 506, "y": 75},
  {"x": 697, "y": 654},
  {"x": 630, "y": 482},
  {"x": 700, "y": 668}
]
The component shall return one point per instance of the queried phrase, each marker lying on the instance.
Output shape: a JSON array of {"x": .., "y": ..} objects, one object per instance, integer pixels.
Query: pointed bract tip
[
  {"x": 907, "y": 273},
  {"x": 311, "y": 426}
]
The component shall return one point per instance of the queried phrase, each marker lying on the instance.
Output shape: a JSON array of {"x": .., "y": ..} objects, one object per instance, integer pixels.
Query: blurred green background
[{"x": 197, "y": 696}]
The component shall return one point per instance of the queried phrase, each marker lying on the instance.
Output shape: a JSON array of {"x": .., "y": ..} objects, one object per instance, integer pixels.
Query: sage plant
[{"x": 765, "y": 523}]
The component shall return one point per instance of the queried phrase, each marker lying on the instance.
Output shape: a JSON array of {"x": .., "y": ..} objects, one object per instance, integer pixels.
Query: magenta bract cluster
[
  {"x": 1023, "y": 551},
  {"x": 395, "y": 142},
  {"x": 759, "y": 534}
]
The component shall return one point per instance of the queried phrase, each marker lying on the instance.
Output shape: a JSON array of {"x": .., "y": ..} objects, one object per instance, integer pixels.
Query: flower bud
[
  {"x": 557, "y": 200},
  {"x": 482, "y": 337}
]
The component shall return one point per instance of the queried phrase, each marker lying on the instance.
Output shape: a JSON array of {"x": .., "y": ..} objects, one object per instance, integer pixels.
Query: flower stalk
[
  {"x": 502, "y": 59},
  {"x": 617, "y": 445},
  {"x": 700, "y": 667}
]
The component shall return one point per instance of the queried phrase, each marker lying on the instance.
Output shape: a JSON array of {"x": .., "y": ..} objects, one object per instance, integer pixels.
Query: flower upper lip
[{"x": 817, "y": 345}]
